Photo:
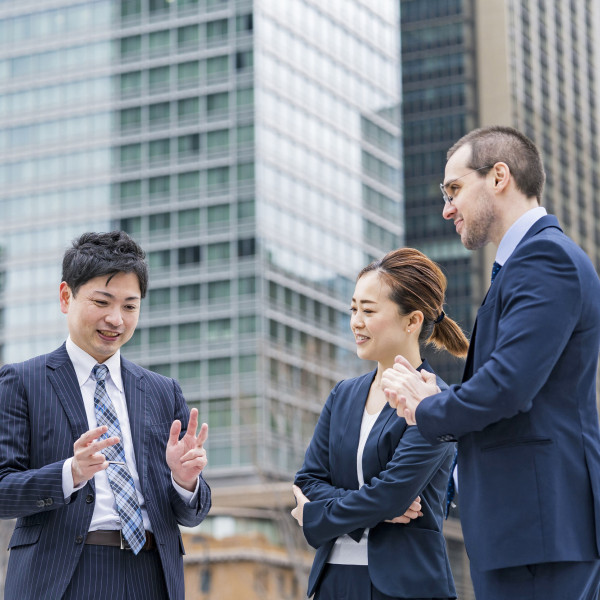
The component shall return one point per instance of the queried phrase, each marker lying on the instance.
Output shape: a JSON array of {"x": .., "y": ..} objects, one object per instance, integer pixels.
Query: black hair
[{"x": 95, "y": 254}]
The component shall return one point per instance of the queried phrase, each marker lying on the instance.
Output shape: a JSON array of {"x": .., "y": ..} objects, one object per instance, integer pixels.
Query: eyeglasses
[{"x": 445, "y": 186}]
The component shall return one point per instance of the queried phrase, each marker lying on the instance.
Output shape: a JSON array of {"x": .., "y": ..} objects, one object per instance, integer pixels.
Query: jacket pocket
[
  {"x": 529, "y": 441},
  {"x": 25, "y": 536}
]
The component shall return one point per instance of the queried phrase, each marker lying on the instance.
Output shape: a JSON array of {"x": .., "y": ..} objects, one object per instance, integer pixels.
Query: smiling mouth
[
  {"x": 109, "y": 334},
  {"x": 361, "y": 338}
]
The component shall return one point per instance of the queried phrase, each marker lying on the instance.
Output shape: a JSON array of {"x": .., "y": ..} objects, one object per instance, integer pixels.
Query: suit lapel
[
  {"x": 62, "y": 377},
  {"x": 351, "y": 430},
  {"x": 135, "y": 397}
]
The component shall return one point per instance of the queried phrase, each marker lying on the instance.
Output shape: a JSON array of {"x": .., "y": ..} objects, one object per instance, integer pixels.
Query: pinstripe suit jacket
[{"x": 41, "y": 416}]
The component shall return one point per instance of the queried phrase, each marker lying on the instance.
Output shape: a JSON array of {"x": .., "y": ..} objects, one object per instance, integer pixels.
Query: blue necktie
[
  {"x": 119, "y": 477},
  {"x": 496, "y": 267},
  {"x": 451, "y": 490}
]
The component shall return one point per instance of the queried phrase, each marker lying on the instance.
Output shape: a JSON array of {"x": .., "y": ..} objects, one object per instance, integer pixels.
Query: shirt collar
[
  {"x": 516, "y": 232},
  {"x": 83, "y": 364}
]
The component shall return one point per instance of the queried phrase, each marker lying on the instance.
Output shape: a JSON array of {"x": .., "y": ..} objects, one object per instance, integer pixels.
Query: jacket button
[
  {"x": 79, "y": 539},
  {"x": 49, "y": 502},
  {"x": 40, "y": 504},
  {"x": 89, "y": 498}
]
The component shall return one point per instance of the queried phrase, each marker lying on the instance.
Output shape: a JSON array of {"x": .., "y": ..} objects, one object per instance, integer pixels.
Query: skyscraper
[{"x": 251, "y": 147}]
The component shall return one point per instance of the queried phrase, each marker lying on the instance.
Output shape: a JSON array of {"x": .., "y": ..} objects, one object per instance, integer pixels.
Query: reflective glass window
[
  {"x": 188, "y": 109},
  {"x": 188, "y": 294},
  {"x": 158, "y": 79},
  {"x": 218, "y": 251},
  {"x": 218, "y": 289}
]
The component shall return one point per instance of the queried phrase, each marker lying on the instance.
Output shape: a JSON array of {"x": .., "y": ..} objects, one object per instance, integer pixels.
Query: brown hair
[
  {"x": 490, "y": 145},
  {"x": 417, "y": 283}
]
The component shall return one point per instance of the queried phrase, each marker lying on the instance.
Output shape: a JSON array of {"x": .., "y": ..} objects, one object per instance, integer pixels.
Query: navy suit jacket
[
  {"x": 398, "y": 465},
  {"x": 41, "y": 416},
  {"x": 525, "y": 415}
]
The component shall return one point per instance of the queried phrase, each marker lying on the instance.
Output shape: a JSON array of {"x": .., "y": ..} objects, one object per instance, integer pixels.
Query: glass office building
[{"x": 251, "y": 147}]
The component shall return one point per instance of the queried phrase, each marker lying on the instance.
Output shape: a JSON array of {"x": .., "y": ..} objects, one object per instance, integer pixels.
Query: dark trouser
[
  {"x": 351, "y": 582},
  {"x": 544, "y": 581},
  {"x": 110, "y": 573}
]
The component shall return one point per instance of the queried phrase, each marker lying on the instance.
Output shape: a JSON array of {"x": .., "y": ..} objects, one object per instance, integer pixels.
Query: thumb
[{"x": 428, "y": 377}]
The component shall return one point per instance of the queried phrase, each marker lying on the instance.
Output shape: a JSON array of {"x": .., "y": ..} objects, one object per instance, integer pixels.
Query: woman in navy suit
[{"x": 364, "y": 466}]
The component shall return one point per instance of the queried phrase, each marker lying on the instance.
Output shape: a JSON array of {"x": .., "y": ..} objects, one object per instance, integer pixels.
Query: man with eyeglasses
[{"x": 525, "y": 414}]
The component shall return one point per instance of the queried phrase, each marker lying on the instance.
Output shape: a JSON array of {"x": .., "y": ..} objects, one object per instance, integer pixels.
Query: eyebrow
[
  {"x": 109, "y": 295},
  {"x": 365, "y": 301}
]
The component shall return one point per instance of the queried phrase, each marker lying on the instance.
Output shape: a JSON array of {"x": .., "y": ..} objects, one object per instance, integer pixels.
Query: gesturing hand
[
  {"x": 301, "y": 499},
  {"x": 87, "y": 456},
  {"x": 186, "y": 457},
  {"x": 405, "y": 387}
]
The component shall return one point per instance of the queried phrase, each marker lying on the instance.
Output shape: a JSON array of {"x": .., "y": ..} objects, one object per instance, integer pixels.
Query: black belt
[{"x": 114, "y": 537}]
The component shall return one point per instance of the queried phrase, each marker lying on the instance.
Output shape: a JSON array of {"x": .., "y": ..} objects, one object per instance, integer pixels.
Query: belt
[{"x": 114, "y": 537}]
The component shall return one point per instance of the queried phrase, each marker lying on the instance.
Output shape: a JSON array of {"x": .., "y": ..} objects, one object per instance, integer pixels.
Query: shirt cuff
[
  {"x": 190, "y": 498},
  {"x": 68, "y": 484}
]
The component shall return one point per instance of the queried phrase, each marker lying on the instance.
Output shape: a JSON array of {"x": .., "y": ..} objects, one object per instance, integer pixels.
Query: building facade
[{"x": 252, "y": 148}]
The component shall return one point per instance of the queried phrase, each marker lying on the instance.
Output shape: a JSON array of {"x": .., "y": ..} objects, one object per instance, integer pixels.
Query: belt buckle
[{"x": 124, "y": 543}]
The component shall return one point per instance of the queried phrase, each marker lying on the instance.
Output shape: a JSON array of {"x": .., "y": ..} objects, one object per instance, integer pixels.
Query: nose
[
  {"x": 448, "y": 211},
  {"x": 356, "y": 321},
  {"x": 114, "y": 317}
]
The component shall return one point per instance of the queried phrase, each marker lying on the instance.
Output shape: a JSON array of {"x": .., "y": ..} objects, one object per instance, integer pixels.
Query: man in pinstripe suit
[{"x": 71, "y": 539}]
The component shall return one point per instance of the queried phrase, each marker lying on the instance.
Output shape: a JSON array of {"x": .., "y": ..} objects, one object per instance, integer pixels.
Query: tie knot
[
  {"x": 99, "y": 372},
  {"x": 496, "y": 267}
]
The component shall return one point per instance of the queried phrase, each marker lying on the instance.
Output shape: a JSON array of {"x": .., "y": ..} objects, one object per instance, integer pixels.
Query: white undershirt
[{"x": 346, "y": 551}]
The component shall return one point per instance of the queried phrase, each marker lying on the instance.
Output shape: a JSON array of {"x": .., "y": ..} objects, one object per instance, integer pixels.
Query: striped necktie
[{"x": 119, "y": 477}]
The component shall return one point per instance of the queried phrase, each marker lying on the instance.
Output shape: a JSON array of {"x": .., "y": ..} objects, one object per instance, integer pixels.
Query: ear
[
  {"x": 415, "y": 319},
  {"x": 502, "y": 176},
  {"x": 64, "y": 295}
]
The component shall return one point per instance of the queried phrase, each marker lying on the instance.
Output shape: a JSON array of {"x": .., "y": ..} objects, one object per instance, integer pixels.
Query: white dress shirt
[
  {"x": 105, "y": 515},
  {"x": 516, "y": 232}
]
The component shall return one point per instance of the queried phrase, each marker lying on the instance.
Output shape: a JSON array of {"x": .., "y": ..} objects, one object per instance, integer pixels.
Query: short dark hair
[
  {"x": 490, "y": 145},
  {"x": 96, "y": 254}
]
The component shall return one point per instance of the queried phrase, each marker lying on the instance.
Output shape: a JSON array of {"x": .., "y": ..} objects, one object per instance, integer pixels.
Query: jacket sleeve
[
  {"x": 540, "y": 304},
  {"x": 315, "y": 478},
  {"x": 412, "y": 467},
  {"x": 24, "y": 491}
]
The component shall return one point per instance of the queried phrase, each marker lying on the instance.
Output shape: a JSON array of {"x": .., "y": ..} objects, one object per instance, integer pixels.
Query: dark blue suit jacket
[
  {"x": 41, "y": 416},
  {"x": 525, "y": 415},
  {"x": 398, "y": 465}
]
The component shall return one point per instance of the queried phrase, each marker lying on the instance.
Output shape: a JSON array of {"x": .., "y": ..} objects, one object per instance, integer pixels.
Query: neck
[
  {"x": 413, "y": 356},
  {"x": 511, "y": 212}
]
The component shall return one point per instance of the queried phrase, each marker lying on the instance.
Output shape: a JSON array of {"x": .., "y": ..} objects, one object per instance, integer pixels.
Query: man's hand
[
  {"x": 186, "y": 457},
  {"x": 412, "y": 512},
  {"x": 405, "y": 387},
  {"x": 87, "y": 454},
  {"x": 301, "y": 500}
]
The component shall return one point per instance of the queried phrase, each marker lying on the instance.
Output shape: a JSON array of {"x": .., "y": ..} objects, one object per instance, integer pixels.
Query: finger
[
  {"x": 93, "y": 434},
  {"x": 105, "y": 443},
  {"x": 401, "y": 361},
  {"x": 297, "y": 492},
  {"x": 193, "y": 454},
  {"x": 174, "y": 433},
  {"x": 192, "y": 423},
  {"x": 408, "y": 416},
  {"x": 391, "y": 396},
  {"x": 428, "y": 377},
  {"x": 202, "y": 436}
]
